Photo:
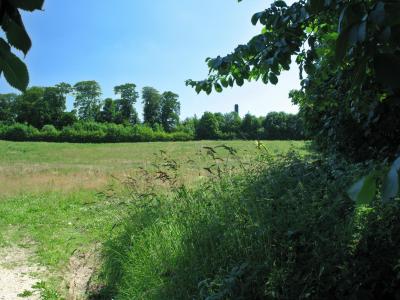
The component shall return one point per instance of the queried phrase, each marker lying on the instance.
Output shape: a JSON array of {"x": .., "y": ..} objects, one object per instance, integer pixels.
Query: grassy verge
[{"x": 284, "y": 229}]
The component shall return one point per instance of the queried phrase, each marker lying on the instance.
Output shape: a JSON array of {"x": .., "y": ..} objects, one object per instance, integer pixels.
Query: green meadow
[{"x": 60, "y": 199}]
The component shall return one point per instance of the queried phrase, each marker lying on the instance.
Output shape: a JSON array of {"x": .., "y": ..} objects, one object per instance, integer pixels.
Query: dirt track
[{"x": 16, "y": 274}]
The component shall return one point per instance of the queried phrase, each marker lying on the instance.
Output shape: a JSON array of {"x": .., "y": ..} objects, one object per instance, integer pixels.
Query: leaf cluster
[{"x": 11, "y": 66}]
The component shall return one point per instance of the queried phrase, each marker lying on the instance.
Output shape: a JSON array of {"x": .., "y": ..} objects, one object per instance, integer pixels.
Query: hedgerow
[{"x": 90, "y": 132}]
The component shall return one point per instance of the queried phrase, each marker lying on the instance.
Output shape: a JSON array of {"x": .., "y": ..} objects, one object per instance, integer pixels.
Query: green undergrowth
[{"x": 282, "y": 229}]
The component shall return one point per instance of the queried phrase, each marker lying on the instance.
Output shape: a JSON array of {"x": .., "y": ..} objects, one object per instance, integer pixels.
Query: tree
[
  {"x": 351, "y": 92},
  {"x": 87, "y": 99},
  {"x": 170, "y": 110},
  {"x": 287, "y": 29},
  {"x": 14, "y": 70},
  {"x": 7, "y": 108},
  {"x": 125, "y": 105},
  {"x": 39, "y": 106},
  {"x": 208, "y": 127},
  {"x": 54, "y": 101},
  {"x": 109, "y": 112},
  {"x": 231, "y": 124},
  {"x": 30, "y": 107},
  {"x": 250, "y": 126},
  {"x": 152, "y": 106},
  {"x": 67, "y": 119},
  {"x": 283, "y": 126},
  {"x": 189, "y": 125}
]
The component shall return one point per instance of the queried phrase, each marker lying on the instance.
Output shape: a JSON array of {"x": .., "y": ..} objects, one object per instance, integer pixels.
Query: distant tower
[{"x": 237, "y": 108}]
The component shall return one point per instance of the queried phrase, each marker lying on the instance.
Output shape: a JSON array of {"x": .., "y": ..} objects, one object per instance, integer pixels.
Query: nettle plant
[
  {"x": 15, "y": 35},
  {"x": 348, "y": 51}
]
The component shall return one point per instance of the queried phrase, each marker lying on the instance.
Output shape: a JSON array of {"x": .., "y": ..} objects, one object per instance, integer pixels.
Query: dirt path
[
  {"x": 82, "y": 266},
  {"x": 17, "y": 275}
]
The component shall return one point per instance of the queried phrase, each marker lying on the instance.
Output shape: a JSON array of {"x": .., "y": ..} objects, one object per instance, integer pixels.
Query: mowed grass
[
  {"x": 42, "y": 167},
  {"x": 60, "y": 198}
]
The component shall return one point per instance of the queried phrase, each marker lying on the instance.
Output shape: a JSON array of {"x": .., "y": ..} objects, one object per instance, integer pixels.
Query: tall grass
[{"x": 282, "y": 229}]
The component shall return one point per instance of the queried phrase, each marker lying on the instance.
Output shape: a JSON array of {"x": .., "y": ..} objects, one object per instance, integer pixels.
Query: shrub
[{"x": 19, "y": 132}]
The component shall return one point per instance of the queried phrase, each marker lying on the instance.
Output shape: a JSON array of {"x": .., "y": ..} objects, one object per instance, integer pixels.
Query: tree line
[
  {"x": 39, "y": 113},
  {"x": 40, "y": 106}
]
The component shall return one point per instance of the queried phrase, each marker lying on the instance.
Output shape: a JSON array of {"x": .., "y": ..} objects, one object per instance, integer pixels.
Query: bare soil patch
[
  {"x": 17, "y": 274},
  {"x": 82, "y": 266}
]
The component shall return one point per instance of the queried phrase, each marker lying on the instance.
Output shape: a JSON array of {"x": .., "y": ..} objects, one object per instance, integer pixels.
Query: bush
[
  {"x": 90, "y": 132},
  {"x": 285, "y": 232},
  {"x": 19, "y": 132},
  {"x": 93, "y": 132}
]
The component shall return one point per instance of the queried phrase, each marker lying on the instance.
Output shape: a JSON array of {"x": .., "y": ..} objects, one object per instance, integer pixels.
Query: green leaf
[
  {"x": 224, "y": 82},
  {"x": 273, "y": 78},
  {"x": 256, "y": 17},
  {"x": 218, "y": 87},
  {"x": 230, "y": 81},
  {"x": 14, "y": 70},
  {"x": 239, "y": 81},
  {"x": 265, "y": 78},
  {"x": 364, "y": 190},
  {"x": 198, "y": 88},
  {"x": 16, "y": 34},
  {"x": 280, "y": 3},
  {"x": 391, "y": 183},
  {"x": 29, "y": 5}
]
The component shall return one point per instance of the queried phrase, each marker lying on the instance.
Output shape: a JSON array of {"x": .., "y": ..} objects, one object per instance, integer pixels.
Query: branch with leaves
[
  {"x": 11, "y": 66},
  {"x": 368, "y": 35}
]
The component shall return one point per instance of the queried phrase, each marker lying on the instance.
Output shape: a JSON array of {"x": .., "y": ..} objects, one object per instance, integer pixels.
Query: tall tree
[
  {"x": 31, "y": 108},
  {"x": 250, "y": 126},
  {"x": 125, "y": 105},
  {"x": 170, "y": 110},
  {"x": 39, "y": 106},
  {"x": 54, "y": 100},
  {"x": 87, "y": 99},
  {"x": 208, "y": 127},
  {"x": 109, "y": 112},
  {"x": 152, "y": 106},
  {"x": 231, "y": 123},
  {"x": 7, "y": 107},
  {"x": 282, "y": 126}
]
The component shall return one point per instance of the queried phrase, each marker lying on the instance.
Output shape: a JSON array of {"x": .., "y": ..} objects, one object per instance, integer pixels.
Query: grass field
[
  {"x": 41, "y": 167},
  {"x": 62, "y": 198}
]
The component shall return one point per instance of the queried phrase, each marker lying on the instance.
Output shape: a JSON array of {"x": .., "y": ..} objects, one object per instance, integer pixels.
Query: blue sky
[{"x": 158, "y": 43}]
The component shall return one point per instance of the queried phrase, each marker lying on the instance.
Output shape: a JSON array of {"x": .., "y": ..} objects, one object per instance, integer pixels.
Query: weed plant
[{"x": 279, "y": 228}]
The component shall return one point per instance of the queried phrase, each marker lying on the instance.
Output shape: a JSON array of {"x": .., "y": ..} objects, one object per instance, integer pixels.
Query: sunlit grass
[
  {"x": 57, "y": 198},
  {"x": 42, "y": 167}
]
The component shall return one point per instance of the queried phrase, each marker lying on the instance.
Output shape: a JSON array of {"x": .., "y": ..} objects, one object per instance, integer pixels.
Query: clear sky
[{"x": 158, "y": 43}]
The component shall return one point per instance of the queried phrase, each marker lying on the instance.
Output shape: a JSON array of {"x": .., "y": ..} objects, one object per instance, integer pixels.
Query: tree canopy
[
  {"x": 87, "y": 99},
  {"x": 152, "y": 106},
  {"x": 170, "y": 110},
  {"x": 126, "y": 112}
]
